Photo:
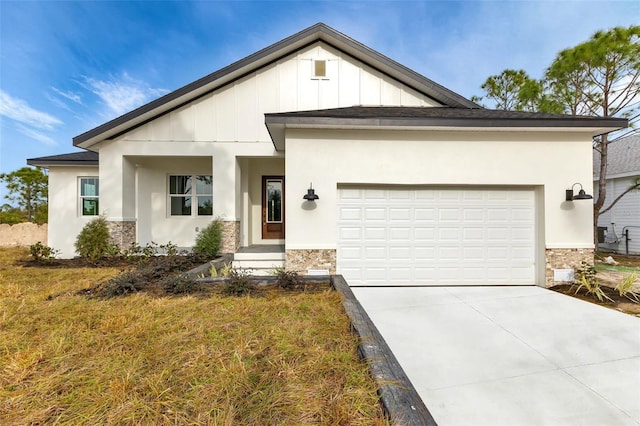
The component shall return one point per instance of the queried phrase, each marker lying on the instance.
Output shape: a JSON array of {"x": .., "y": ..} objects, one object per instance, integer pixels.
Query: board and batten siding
[
  {"x": 235, "y": 112},
  {"x": 626, "y": 212}
]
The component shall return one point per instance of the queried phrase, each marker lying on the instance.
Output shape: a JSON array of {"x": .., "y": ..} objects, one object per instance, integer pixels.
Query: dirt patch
[{"x": 632, "y": 261}]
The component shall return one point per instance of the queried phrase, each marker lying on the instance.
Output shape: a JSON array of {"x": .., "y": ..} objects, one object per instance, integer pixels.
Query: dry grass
[{"x": 175, "y": 360}]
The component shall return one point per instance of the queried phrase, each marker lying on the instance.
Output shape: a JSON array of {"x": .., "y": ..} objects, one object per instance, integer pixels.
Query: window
[
  {"x": 89, "y": 194},
  {"x": 320, "y": 68},
  {"x": 185, "y": 199}
]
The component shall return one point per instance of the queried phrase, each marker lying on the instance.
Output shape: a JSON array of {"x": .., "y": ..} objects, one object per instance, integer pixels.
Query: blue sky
[{"x": 67, "y": 67}]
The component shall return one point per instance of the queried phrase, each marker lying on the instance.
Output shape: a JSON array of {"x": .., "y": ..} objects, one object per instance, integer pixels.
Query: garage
[{"x": 429, "y": 236}]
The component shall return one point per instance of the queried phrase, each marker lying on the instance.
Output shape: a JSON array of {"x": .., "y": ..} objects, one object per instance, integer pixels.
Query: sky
[{"x": 69, "y": 66}]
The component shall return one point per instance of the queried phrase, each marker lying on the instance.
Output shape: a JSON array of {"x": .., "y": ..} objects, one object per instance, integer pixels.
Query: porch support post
[
  {"x": 226, "y": 197},
  {"x": 117, "y": 196},
  {"x": 245, "y": 206}
]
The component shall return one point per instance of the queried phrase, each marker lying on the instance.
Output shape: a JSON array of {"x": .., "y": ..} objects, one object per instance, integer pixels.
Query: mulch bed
[
  {"x": 80, "y": 262},
  {"x": 617, "y": 302}
]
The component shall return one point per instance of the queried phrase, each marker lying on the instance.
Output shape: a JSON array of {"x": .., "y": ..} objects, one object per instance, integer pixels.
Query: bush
[
  {"x": 209, "y": 239},
  {"x": 237, "y": 283},
  {"x": 586, "y": 278},
  {"x": 92, "y": 242},
  {"x": 625, "y": 288},
  {"x": 288, "y": 280},
  {"x": 181, "y": 284},
  {"x": 42, "y": 253}
]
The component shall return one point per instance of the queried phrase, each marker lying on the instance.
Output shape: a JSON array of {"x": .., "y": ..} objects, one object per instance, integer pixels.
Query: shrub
[
  {"x": 42, "y": 253},
  {"x": 625, "y": 288},
  {"x": 123, "y": 284},
  {"x": 169, "y": 249},
  {"x": 222, "y": 272},
  {"x": 586, "y": 278},
  {"x": 92, "y": 242},
  {"x": 287, "y": 280},
  {"x": 237, "y": 283},
  {"x": 209, "y": 239},
  {"x": 180, "y": 284}
]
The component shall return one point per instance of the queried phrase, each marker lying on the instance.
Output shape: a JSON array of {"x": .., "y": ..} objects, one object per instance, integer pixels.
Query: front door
[{"x": 272, "y": 207}]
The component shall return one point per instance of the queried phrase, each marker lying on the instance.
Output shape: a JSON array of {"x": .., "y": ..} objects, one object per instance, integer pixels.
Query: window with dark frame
[
  {"x": 89, "y": 196},
  {"x": 187, "y": 199}
]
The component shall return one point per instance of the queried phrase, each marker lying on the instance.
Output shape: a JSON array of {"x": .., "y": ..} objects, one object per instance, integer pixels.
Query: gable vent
[{"x": 320, "y": 68}]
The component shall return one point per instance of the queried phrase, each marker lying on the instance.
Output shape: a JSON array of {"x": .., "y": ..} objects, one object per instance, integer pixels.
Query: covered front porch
[{"x": 170, "y": 198}]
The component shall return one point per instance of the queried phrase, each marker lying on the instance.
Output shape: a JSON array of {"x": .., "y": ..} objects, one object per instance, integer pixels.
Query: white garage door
[{"x": 409, "y": 236}]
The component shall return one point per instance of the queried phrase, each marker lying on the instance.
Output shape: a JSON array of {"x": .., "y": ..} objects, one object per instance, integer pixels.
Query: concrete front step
[
  {"x": 258, "y": 264},
  {"x": 269, "y": 256}
]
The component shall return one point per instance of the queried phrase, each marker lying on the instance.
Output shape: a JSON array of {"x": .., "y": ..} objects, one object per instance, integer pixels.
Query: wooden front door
[{"x": 272, "y": 207}]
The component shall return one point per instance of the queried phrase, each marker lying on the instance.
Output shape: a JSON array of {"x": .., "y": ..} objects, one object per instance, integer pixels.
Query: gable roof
[
  {"x": 418, "y": 117},
  {"x": 239, "y": 69},
  {"x": 85, "y": 158},
  {"x": 623, "y": 158}
]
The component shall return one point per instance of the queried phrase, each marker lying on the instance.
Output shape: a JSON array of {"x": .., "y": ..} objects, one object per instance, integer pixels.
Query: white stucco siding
[
  {"x": 625, "y": 212},
  {"x": 438, "y": 158},
  {"x": 65, "y": 220},
  {"x": 154, "y": 223},
  {"x": 236, "y": 112}
]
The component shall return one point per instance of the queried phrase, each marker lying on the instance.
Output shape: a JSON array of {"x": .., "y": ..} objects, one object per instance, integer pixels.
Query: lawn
[{"x": 143, "y": 359}]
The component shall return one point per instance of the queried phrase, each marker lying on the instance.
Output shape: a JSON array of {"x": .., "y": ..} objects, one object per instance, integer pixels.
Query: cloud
[
  {"x": 36, "y": 135},
  {"x": 69, "y": 95},
  {"x": 122, "y": 94},
  {"x": 18, "y": 110}
]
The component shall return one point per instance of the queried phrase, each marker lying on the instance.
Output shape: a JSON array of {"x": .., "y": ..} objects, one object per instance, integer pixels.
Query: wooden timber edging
[{"x": 399, "y": 398}]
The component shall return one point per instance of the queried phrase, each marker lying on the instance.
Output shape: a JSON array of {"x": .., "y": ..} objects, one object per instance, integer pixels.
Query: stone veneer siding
[
  {"x": 561, "y": 258},
  {"x": 122, "y": 233},
  {"x": 302, "y": 259},
  {"x": 230, "y": 236}
]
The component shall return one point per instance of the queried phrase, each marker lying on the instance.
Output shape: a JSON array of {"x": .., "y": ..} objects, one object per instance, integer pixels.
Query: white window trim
[
  {"x": 194, "y": 195},
  {"x": 80, "y": 197}
]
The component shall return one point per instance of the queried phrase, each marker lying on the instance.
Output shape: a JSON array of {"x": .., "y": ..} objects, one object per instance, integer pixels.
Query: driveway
[{"x": 511, "y": 355}]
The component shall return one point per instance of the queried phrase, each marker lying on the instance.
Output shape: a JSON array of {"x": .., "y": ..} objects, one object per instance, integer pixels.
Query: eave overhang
[
  {"x": 76, "y": 159},
  {"x": 278, "y": 123}
]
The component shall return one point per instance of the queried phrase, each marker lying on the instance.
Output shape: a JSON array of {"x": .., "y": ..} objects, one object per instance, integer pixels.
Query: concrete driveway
[{"x": 511, "y": 355}]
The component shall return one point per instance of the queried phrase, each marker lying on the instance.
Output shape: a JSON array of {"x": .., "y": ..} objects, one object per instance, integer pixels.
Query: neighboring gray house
[{"x": 623, "y": 220}]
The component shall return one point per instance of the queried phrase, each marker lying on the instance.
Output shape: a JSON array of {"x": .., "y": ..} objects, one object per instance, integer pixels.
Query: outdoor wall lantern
[
  {"x": 311, "y": 194},
  {"x": 581, "y": 194}
]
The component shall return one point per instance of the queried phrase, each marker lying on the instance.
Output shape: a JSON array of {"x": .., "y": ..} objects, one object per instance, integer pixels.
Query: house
[
  {"x": 417, "y": 185},
  {"x": 622, "y": 222}
]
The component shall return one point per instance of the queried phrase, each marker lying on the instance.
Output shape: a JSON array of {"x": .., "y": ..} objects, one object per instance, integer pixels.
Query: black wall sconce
[
  {"x": 581, "y": 194},
  {"x": 311, "y": 194}
]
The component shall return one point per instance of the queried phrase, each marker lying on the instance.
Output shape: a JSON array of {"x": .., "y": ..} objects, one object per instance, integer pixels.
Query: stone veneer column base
[
  {"x": 300, "y": 260},
  {"x": 565, "y": 258},
  {"x": 230, "y": 236},
  {"x": 122, "y": 233}
]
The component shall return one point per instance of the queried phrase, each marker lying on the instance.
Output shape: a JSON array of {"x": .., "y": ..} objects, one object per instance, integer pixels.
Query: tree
[
  {"x": 10, "y": 215},
  {"x": 514, "y": 90},
  {"x": 600, "y": 77},
  {"x": 28, "y": 187}
]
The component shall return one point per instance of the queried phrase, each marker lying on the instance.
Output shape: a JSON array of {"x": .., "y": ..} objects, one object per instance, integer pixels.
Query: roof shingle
[
  {"x": 623, "y": 157},
  {"x": 84, "y": 158}
]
